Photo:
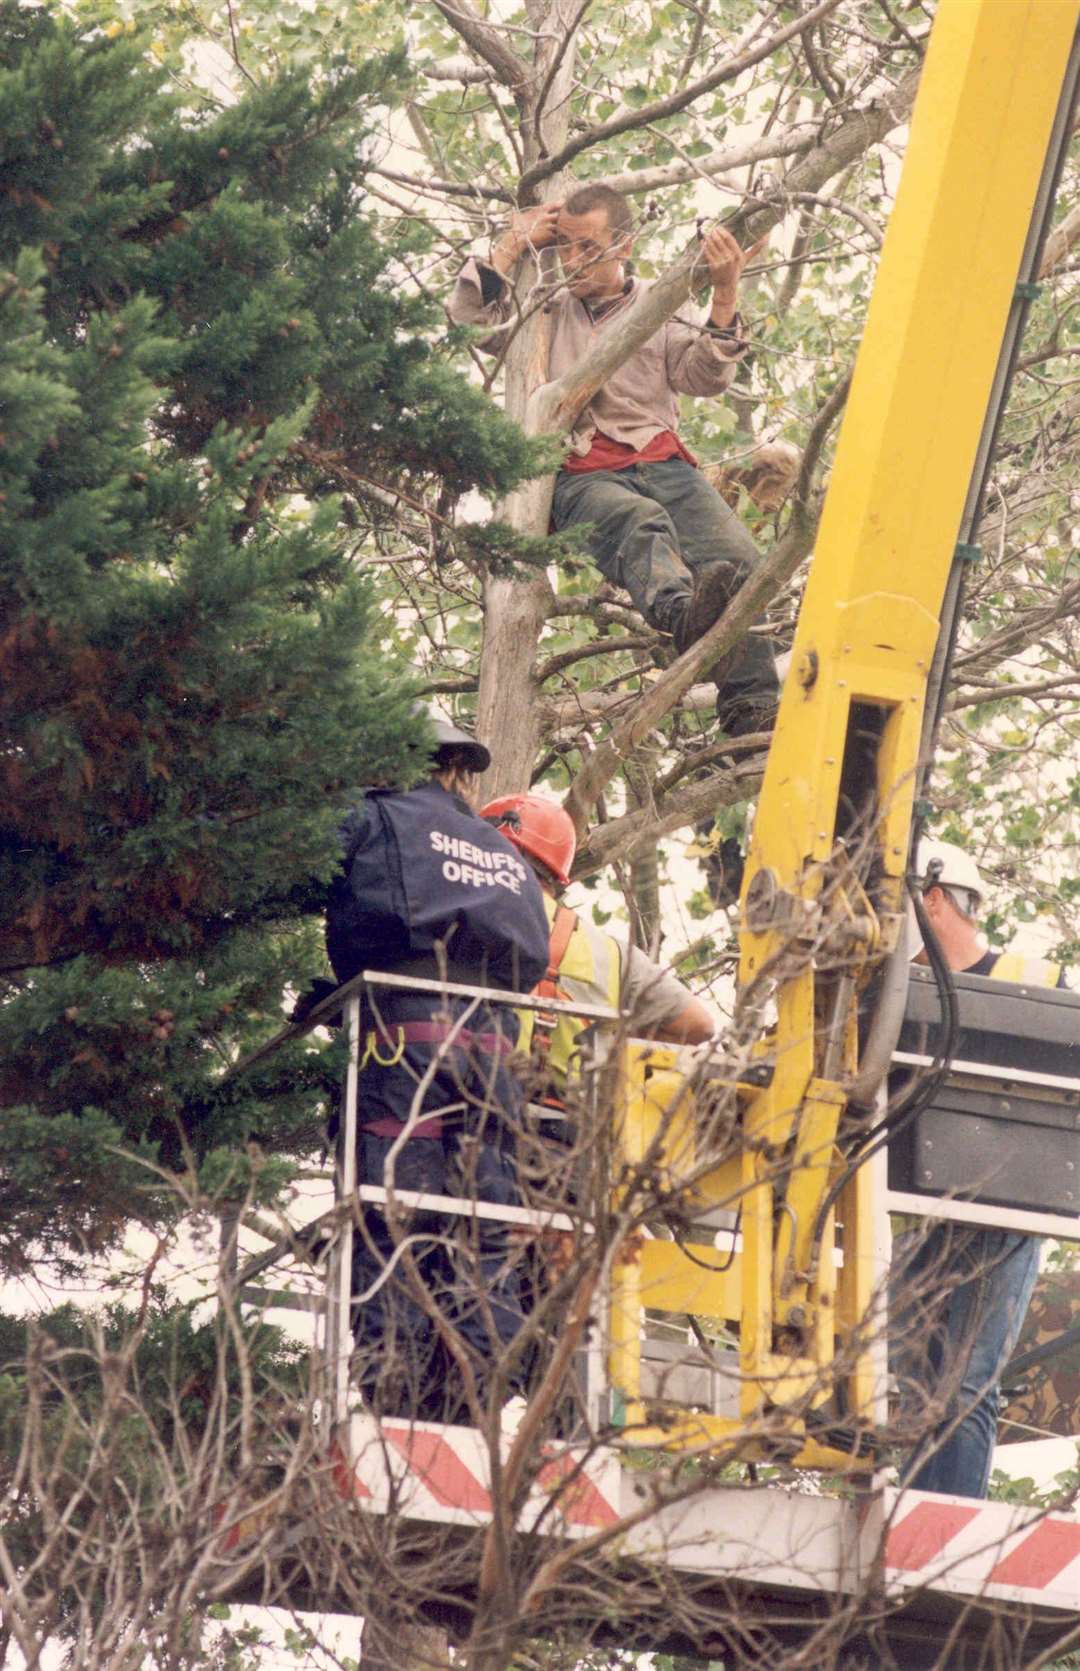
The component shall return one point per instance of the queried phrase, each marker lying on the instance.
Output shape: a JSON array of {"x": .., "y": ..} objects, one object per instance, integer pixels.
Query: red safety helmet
[{"x": 538, "y": 827}]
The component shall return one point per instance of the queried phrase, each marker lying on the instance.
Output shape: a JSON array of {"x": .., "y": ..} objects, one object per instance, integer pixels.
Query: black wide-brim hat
[{"x": 449, "y": 736}]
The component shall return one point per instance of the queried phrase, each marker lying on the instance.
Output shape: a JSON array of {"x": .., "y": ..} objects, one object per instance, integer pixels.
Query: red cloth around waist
[{"x": 606, "y": 454}]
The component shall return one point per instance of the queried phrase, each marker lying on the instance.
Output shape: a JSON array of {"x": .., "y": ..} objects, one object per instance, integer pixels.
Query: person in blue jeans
[
  {"x": 963, "y": 1296},
  {"x": 652, "y": 522},
  {"x": 959, "y": 1293}
]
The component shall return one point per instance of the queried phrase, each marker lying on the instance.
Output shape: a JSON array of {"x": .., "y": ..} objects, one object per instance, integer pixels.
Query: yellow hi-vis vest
[
  {"x": 1026, "y": 971},
  {"x": 589, "y": 970}
]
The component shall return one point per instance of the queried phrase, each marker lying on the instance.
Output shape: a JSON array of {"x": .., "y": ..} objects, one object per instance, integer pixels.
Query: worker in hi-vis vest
[
  {"x": 584, "y": 962},
  {"x": 959, "y": 1293}
]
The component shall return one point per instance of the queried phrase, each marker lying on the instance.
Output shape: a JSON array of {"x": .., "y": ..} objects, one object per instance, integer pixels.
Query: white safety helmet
[
  {"x": 948, "y": 866},
  {"x": 942, "y": 864}
]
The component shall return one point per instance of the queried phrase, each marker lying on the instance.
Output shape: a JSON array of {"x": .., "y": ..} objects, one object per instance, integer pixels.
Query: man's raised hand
[
  {"x": 725, "y": 260},
  {"x": 533, "y": 228}
]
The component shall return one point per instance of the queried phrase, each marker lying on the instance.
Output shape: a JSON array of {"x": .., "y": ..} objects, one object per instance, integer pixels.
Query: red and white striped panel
[
  {"x": 971, "y": 1548},
  {"x": 946, "y": 1544},
  {"x": 444, "y": 1473}
]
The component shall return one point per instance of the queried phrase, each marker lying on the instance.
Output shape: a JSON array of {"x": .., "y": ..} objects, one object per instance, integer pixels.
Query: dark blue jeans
[
  {"x": 958, "y": 1299},
  {"x": 654, "y": 527},
  {"x": 466, "y": 1267}
]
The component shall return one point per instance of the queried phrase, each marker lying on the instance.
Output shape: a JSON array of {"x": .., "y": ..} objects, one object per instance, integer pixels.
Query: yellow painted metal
[
  {"x": 865, "y": 638},
  {"x": 855, "y": 1323},
  {"x": 811, "y": 1169},
  {"x": 625, "y": 1319},
  {"x": 690, "y": 1278},
  {"x": 719, "y": 1187},
  {"x": 864, "y": 642},
  {"x": 869, "y": 619},
  {"x": 764, "y": 1441},
  {"x": 635, "y": 1139},
  {"x": 755, "y": 1328},
  {"x": 657, "y": 1130},
  {"x": 656, "y": 1275}
]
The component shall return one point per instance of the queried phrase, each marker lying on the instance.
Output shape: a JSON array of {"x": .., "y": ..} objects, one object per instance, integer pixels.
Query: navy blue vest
[{"x": 423, "y": 874}]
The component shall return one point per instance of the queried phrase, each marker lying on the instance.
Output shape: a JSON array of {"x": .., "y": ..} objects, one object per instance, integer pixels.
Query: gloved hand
[
  {"x": 721, "y": 860},
  {"x": 724, "y": 872},
  {"x": 319, "y": 989}
]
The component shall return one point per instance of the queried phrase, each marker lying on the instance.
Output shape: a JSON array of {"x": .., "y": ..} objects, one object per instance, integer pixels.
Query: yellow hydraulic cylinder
[
  {"x": 869, "y": 624},
  {"x": 867, "y": 631}
]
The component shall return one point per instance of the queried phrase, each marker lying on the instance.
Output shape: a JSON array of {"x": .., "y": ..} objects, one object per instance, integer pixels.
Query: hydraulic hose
[{"x": 924, "y": 1087}]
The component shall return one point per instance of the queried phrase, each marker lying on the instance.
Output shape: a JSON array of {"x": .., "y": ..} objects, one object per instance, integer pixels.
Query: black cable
[
  {"x": 729, "y": 1260},
  {"x": 1039, "y": 1354}
]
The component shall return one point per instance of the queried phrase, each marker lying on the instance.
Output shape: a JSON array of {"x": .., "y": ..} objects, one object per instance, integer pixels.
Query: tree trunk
[{"x": 508, "y": 709}]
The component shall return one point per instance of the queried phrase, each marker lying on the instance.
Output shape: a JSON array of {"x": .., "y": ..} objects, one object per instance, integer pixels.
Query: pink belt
[{"x": 436, "y": 1032}]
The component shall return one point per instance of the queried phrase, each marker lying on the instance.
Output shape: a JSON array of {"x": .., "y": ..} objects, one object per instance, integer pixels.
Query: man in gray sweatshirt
[{"x": 656, "y": 526}]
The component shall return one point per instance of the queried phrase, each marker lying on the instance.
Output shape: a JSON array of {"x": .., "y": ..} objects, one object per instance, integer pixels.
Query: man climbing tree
[{"x": 654, "y": 524}]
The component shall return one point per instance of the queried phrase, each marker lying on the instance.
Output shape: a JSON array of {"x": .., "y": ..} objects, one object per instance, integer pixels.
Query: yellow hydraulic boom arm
[{"x": 823, "y": 898}]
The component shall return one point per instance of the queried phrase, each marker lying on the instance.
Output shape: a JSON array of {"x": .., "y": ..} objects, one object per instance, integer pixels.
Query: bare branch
[
  {"x": 901, "y": 28},
  {"x": 458, "y": 69},
  {"x": 838, "y": 206},
  {"x": 558, "y": 58},
  {"x": 1060, "y": 242},
  {"x": 695, "y": 42},
  {"x": 598, "y": 608},
  {"x": 1002, "y": 693},
  {"x": 565, "y": 714},
  {"x": 1026, "y": 627},
  {"x": 852, "y": 138},
  {"x": 626, "y": 120},
  {"x": 596, "y": 647},
  {"x": 445, "y": 188},
  {"x": 488, "y": 42},
  {"x": 818, "y": 70},
  {"x": 624, "y": 838},
  {"x": 818, "y": 434},
  {"x": 636, "y": 181}
]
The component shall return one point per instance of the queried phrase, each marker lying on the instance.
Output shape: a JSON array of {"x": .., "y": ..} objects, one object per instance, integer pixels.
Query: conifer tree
[{"x": 201, "y": 339}]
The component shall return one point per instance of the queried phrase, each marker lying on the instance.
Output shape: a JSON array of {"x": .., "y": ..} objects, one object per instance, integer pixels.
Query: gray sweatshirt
[{"x": 686, "y": 356}]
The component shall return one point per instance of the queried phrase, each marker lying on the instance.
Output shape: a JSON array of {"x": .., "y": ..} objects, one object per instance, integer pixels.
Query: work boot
[
  {"x": 740, "y": 716},
  {"x": 723, "y": 863},
  {"x": 713, "y": 591}
]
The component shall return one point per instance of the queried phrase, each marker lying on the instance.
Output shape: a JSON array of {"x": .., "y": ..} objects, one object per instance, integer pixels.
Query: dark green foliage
[
  {"x": 201, "y": 338},
  {"x": 174, "y": 1361},
  {"x": 111, "y": 1423}
]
